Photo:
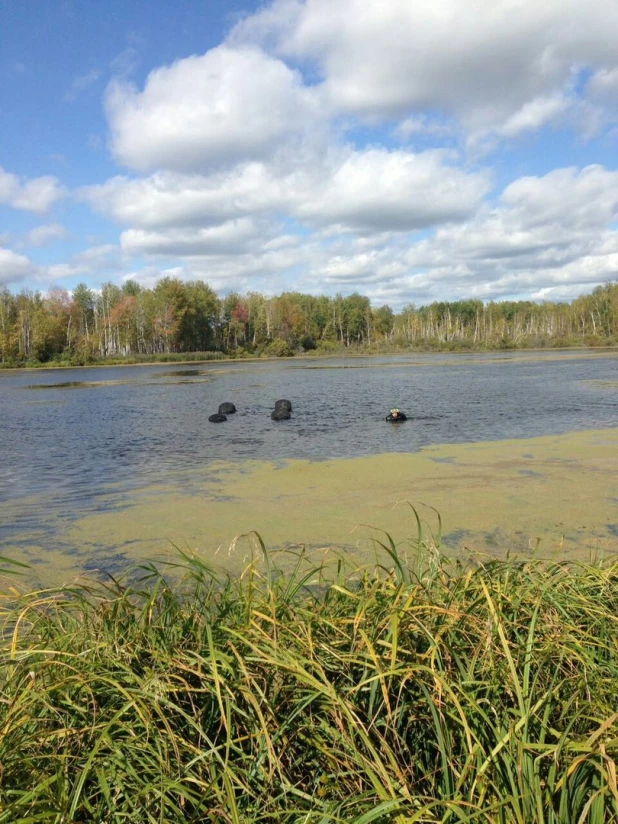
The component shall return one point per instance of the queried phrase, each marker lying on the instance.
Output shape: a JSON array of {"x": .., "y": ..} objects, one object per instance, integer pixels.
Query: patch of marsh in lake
[
  {"x": 463, "y": 359},
  {"x": 112, "y": 383},
  {"x": 604, "y": 384}
]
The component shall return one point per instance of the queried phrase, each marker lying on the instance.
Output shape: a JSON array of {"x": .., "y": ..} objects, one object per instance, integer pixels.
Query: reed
[{"x": 413, "y": 690}]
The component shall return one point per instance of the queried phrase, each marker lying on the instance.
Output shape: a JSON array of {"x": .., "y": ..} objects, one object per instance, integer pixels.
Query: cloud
[
  {"x": 545, "y": 232},
  {"x": 493, "y": 65},
  {"x": 35, "y": 195},
  {"x": 232, "y": 238},
  {"x": 355, "y": 217},
  {"x": 371, "y": 190},
  {"x": 568, "y": 198},
  {"x": 47, "y": 233},
  {"x": 14, "y": 268},
  {"x": 125, "y": 63},
  {"x": 422, "y": 124},
  {"x": 218, "y": 108},
  {"x": 375, "y": 266},
  {"x": 81, "y": 83},
  {"x": 149, "y": 275},
  {"x": 534, "y": 114},
  {"x": 604, "y": 84},
  {"x": 169, "y": 199},
  {"x": 544, "y": 236},
  {"x": 395, "y": 191},
  {"x": 294, "y": 154},
  {"x": 261, "y": 269},
  {"x": 101, "y": 262}
]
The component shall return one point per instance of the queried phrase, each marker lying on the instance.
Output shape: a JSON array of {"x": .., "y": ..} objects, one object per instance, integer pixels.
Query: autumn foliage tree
[{"x": 176, "y": 316}]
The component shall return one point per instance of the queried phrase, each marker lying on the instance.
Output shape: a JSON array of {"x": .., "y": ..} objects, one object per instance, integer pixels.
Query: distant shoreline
[{"x": 167, "y": 360}]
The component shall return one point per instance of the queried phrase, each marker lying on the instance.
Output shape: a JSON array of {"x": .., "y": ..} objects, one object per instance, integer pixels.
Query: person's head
[{"x": 395, "y": 413}]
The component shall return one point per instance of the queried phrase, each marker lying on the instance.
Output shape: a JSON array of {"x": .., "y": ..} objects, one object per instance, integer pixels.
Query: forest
[{"x": 174, "y": 316}]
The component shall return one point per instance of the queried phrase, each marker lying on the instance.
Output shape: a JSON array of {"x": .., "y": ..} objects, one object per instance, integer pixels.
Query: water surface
[{"x": 83, "y": 441}]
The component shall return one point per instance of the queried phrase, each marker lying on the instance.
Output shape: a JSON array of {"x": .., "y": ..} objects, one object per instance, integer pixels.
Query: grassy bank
[{"x": 411, "y": 691}]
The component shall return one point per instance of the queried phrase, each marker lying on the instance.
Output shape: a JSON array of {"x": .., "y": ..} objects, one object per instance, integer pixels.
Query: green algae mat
[{"x": 551, "y": 496}]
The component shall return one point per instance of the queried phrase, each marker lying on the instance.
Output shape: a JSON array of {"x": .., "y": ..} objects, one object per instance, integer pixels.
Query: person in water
[{"x": 395, "y": 416}]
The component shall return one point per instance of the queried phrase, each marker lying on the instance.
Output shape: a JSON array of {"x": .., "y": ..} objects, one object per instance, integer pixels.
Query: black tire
[
  {"x": 280, "y": 415},
  {"x": 227, "y": 408}
]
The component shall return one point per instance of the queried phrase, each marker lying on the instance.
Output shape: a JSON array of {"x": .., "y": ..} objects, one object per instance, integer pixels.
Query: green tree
[
  {"x": 383, "y": 321},
  {"x": 8, "y": 324},
  {"x": 198, "y": 329},
  {"x": 170, "y": 305},
  {"x": 83, "y": 298}
]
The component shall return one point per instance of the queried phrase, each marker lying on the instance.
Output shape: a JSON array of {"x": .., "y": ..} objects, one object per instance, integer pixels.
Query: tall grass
[{"x": 419, "y": 691}]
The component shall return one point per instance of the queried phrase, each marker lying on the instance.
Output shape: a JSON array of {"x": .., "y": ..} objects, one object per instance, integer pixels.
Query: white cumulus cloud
[
  {"x": 384, "y": 190},
  {"x": 225, "y": 105},
  {"x": 15, "y": 268},
  {"x": 308, "y": 150},
  {"x": 34, "y": 195},
  {"x": 371, "y": 190},
  {"x": 42, "y": 235},
  {"x": 102, "y": 261},
  {"x": 492, "y": 64},
  {"x": 232, "y": 237}
]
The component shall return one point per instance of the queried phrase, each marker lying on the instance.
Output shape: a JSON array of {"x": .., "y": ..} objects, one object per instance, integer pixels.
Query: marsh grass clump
[{"x": 407, "y": 691}]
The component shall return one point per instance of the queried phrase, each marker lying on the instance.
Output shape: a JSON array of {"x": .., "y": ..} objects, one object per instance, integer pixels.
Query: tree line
[{"x": 185, "y": 317}]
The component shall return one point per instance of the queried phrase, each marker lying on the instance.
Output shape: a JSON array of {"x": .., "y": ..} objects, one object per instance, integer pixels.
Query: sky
[{"x": 410, "y": 150}]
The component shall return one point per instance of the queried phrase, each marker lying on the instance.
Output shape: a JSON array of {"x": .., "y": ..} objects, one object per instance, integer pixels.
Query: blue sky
[{"x": 369, "y": 145}]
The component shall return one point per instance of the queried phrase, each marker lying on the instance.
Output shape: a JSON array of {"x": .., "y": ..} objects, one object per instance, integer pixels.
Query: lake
[{"x": 85, "y": 444}]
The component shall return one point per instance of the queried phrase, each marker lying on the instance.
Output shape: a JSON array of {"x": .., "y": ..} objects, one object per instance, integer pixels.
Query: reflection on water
[{"x": 62, "y": 455}]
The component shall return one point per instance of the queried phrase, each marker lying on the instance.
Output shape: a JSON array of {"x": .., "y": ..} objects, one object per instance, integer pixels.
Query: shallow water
[{"x": 82, "y": 442}]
